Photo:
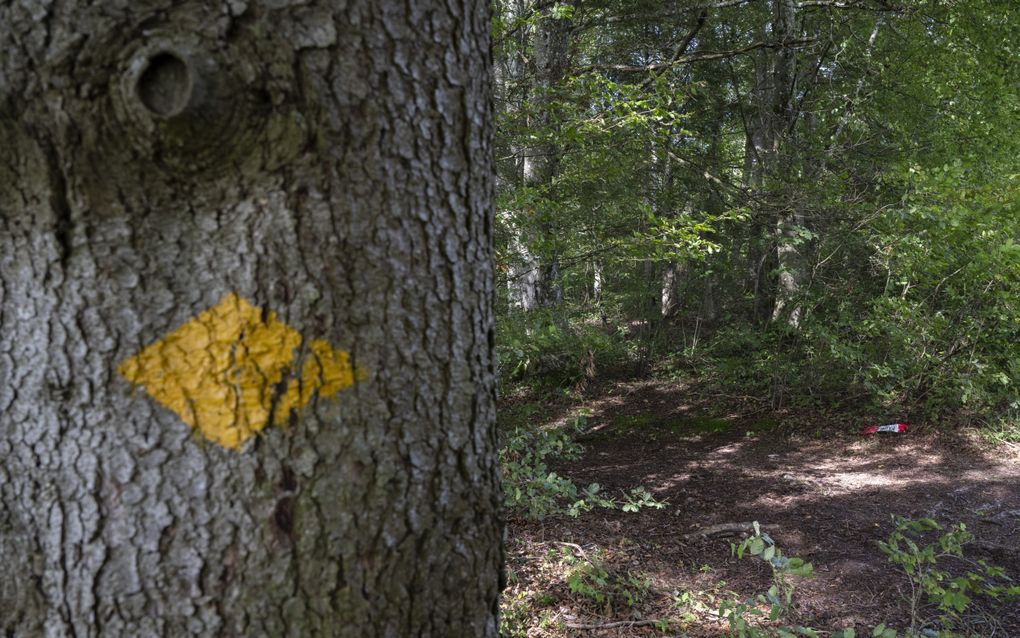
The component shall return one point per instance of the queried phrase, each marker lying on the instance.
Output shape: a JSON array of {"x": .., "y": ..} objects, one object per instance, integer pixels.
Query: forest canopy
[{"x": 814, "y": 200}]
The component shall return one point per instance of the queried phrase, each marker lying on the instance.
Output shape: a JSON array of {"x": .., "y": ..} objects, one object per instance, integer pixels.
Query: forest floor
[{"x": 820, "y": 489}]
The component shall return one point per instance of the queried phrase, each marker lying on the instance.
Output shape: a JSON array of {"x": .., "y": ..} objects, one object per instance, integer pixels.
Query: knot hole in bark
[
  {"x": 195, "y": 108},
  {"x": 166, "y": 85},
  {"x": 178, "y": 108}
]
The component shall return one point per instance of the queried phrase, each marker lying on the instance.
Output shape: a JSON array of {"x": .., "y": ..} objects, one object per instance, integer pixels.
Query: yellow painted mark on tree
[{"x": 231, "y": 371}]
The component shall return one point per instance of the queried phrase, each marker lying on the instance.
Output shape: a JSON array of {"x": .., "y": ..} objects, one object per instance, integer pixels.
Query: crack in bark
[{"x": 63, "y": 227}]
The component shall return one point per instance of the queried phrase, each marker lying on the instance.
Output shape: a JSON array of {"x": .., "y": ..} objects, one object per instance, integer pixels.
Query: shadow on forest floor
[{"x": 822, "y": 493}]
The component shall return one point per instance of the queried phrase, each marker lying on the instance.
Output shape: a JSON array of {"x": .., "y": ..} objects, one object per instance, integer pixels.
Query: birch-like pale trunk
[{"x": 513, "y": 92}]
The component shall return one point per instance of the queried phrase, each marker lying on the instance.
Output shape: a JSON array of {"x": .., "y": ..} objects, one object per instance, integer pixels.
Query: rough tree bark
[
  {"x": 277, "y": 214},
  {"x": 780, "y": 122}
]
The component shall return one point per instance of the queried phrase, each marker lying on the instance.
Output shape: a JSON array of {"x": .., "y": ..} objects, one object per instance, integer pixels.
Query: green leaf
[{"x": 756, "y": 546}]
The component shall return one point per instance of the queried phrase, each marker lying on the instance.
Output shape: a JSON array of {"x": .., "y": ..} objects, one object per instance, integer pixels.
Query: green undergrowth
[
  {"x": 554, "y": 348},
  {"x": 532, "y": 491},
  {"x": 1005, "y": 429},
  {"x": 592, "y": 579}
]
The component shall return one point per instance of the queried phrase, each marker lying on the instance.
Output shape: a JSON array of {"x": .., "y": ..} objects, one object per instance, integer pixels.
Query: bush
[
  {"x": 936, "y": 596},
  {"x": 554, "y": 348},
  {"x": 592, "y": 579},
  {"x": 532, "y": 491},
  {"x": 529, "y": 488}
]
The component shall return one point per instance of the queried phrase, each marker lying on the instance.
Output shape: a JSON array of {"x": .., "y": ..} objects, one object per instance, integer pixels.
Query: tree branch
[
  {"x": 701, "y": 57},
  {"x": 610, "y": 625},
  {"x": 685, "y": 44},
  {"x": 840, "y": 4},
  {"x": 645, "y": 17}
]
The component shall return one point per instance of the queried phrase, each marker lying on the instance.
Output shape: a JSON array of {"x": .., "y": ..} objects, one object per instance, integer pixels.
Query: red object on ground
[{"x": 892, "y": 428}]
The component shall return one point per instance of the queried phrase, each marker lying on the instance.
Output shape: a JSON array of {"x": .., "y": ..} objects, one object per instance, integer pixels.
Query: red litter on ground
[{"x": 892, "y": 428}]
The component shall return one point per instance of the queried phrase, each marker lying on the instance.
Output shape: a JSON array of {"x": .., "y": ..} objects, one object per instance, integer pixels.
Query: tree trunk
[
  {"x": 766, "y": 169},
  {"x": 790, "y": 219},
  {"x": 753, "y": 179},
  {"x": 512, "y": 83},
  {"x": 597, "y": 281},
  {"x": 541, "y": 161},
  {"x": 246, "y": 373},
  {"x": 522, "y": 275},
  {"x": 673, "y": 275},
  {"x": 791, "y": 271}
]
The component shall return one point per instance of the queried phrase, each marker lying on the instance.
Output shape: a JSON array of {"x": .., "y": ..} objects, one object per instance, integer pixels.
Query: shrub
[
  {"x": 556, "y": 348},
  {"x": 532, "y": 491},
  {"x": 932, "y": 587}
]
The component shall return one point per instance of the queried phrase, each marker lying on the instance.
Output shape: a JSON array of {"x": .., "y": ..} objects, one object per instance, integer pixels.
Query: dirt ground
[{"x": 821, "y": 490}]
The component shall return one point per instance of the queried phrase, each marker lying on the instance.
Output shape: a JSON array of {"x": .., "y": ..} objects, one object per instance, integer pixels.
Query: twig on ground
[
  {"x": 722, "y": 529},
  {"x": 611, "y": 625},
  {"x": 994, "y": 547},
  {"x": 575, "y": 546}
]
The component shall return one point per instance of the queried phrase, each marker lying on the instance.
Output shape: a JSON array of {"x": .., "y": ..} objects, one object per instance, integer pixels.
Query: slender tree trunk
[
  {"x": 541, "y": 161},
  {"x": 709, "y": 306},
  {"x": 673, "y": 274},
  {"x": 781, "y": 121},
  {"x": 597, "y": 281},
  {"x": 513, "y": 89},
  {"x": 852, "y": 100},
  {"x": 660, "y": 187},
  {"x": 787, "y": 307},
  {"x": 651, "y": 300},
  {"x": 766, "y": 171},
  {"x": 522, "y": 275},
  {"x": 756, "y": 145},
  {"x": 246, "y": 379}
]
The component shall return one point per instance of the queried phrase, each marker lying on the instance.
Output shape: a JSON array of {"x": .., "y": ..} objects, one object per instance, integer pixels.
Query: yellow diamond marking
[{"x": 223, "y": 372}]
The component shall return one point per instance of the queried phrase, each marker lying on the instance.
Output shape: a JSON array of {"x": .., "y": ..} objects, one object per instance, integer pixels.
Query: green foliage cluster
[
  {"x": 592, "y": 579},
  {"x": 532, "y": 491},
  {"x": 740, "y": 615},
  {"x": 932, "y": 585},
  {"x": 515, "y": 616},
  {"x": 942, "y": 334},
  {"x": 529, "y": 488},
  {"x": 944, "y": 585},
  {"x": 559, "y": 350}
]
